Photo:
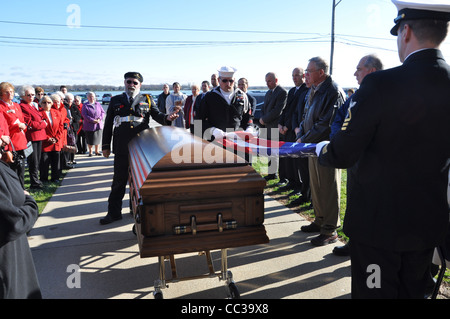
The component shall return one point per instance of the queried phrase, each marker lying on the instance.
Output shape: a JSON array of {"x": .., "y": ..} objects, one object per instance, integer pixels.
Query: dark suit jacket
[
  {"x": 398, "y": 134},
  {"x": 288, "y": 112},
  {"x": 120, "y": 106},
  {"x": 274, "y": 103}
]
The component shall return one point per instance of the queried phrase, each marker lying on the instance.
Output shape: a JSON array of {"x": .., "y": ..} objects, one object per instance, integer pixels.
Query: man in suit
[
  {"x": 127, "y": 115},
  {"x": 397, "y": 133},
  {"x": 274, "y": 103},
  {"x": 243, "y": 85},
  {"x": 324, "y": 99},
  {"x": 289, "y": 168}
]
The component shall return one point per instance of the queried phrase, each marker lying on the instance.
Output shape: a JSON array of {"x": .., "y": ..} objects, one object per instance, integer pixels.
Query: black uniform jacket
[
  {"x": 143, "y": 107},
  {"x": 398, "y": 134},
  {"x": 216, "y": 112}
]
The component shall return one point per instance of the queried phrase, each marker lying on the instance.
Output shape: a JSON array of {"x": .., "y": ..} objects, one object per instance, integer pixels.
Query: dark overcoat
[{"x": 18, "y": 213}]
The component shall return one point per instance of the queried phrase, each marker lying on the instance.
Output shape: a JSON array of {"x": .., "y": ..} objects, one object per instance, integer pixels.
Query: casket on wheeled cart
[{"x": 189, "y": 195}]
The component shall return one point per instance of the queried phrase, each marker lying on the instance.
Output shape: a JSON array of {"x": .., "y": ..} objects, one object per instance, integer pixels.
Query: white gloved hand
[
  {"x": 251, "y": 130},
  {"x": 218, "y": 133},
  {"x": 321, "y": 145},
  {"x": 231, "y": 136}
]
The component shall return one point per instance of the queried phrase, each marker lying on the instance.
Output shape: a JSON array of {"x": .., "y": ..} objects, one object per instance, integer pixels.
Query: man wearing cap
[
  {"x": 127, "y": 115},
  {"x": 225, "y": 108},
  {"x": 397, "y": 134}
]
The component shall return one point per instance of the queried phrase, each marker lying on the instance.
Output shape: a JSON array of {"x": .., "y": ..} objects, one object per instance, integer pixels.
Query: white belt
[{"x": 119, "y": 120}]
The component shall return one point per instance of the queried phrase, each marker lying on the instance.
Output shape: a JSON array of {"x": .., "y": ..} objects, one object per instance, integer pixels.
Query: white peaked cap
[
  {"x": 227, "y": 71},
  {"x": 415, "y": 10}
]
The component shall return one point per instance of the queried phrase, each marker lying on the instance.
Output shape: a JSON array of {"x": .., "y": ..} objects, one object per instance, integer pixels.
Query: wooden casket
[{"x": 190, "y": 195}]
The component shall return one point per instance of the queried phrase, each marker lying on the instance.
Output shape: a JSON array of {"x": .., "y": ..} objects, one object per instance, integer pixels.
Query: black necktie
[{"x": 131, "y": 100}]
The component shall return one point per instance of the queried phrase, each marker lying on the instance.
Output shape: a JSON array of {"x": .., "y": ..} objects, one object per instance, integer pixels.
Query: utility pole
[{"x": 332, "y": 34}]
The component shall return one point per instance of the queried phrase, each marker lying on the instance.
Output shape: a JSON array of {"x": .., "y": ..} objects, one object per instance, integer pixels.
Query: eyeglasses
[
  {"x": 228, "y": 80},
  {"x": 310, "y": 71},
  {"x": 132, "y": 82},
  {"x": 31, "y": 94},
  {"x": 46, "y": 102}
]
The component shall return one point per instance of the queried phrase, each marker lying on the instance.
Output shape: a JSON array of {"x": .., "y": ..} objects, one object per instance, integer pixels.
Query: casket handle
[
  {"x": 220, "y": 222},
  {"x": 193, "y": 225}
]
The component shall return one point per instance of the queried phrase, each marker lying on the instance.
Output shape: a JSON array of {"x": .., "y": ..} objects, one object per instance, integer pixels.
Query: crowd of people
[
  {"x": 392, "y": 135},
  {"x": 45, "y": 131}
]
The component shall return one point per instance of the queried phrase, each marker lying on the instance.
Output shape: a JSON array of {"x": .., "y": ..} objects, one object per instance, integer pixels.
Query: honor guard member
[
  {"x": 127, "y": 115},
  {"x": 225, "y": 108},
  {"x": 397, "y": 133}
]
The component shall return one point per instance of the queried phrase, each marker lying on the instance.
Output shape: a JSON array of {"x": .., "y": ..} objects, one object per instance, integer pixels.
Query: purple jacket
[{"x": 90, "y": 113}]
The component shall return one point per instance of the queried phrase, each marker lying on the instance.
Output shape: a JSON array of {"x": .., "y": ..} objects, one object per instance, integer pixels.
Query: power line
[{"x": 157, "y": 28}]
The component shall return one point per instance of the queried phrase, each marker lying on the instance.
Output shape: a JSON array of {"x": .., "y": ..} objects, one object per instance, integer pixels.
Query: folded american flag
[{"x": 248, "y": 143}]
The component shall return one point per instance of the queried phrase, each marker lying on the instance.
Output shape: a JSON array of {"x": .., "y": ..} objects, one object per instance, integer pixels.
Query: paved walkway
[{"x": 68, "y": 235}]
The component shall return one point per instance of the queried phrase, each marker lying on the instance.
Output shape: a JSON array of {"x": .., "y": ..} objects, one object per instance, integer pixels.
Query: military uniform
[
  {"x": 124, "y": 120},
  {"x": 397, "y": 133},
  {"x": 217, "y": 113}
]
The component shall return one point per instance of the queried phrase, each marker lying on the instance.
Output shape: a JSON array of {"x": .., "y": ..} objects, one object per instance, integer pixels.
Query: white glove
[
  {"x": 231, "y": 136},
  {"x": 218, "y": 133},
  {"x": 321, "y": 145},
  {"x": 251, "y": 131}
]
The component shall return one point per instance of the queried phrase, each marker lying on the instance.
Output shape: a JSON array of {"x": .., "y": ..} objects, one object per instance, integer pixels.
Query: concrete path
[{"x": 68, "y": 236}]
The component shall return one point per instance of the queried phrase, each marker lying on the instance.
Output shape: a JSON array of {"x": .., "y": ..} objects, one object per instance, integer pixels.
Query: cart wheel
[
  {"x": 234, "y": 292},
  {"x": 134, "y": 230},
  {"x": 158, "y": 295}
]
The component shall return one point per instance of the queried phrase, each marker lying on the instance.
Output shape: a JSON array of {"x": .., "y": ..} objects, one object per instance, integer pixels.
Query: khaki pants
[{"x": 325, "y": 185}]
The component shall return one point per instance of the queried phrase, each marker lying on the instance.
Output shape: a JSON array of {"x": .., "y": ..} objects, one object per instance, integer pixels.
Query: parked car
[{"x": 106, "y": 98}]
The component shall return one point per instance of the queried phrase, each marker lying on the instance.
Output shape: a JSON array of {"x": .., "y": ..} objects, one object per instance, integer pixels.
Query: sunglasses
[
  {"x": 132, "y": 82},
  {"x": 227, "y": 80}
]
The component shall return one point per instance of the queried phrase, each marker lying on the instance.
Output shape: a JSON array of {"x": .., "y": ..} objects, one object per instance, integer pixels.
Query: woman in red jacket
[
  {"x": 51, "y": 146},
  {"x": 16, "y": 124},
  {"x": 35, "y": 133},
  {"x": 58, "y": 104}
]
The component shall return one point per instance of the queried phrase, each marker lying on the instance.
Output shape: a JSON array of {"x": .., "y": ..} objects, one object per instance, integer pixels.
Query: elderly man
[
  {"x": 225, "y": 108},
  {"x": 274, "y": 103},
  {"x": 397, "y": 210},
  {"x": 290, "y": 167},
  {"x": 324, "y": 99},
  {"x": 127, "y": 115},
  {"x": 368, "y": 64}
]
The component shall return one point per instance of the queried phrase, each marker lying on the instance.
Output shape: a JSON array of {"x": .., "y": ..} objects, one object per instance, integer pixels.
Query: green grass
[{"x": 42, "y": 196}]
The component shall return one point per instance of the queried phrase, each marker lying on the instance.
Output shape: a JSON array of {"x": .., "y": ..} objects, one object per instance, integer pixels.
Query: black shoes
[
  {"x": 323, "y": 240},
  {"x": 311, "y": 228},
  {"x": 342, "y": 250},
  {"x": 270, "y": 177},
  {"x": 283, "y": 183},
  {"x": 36, "y": 187},
  {"x": 108, "y": 219}
]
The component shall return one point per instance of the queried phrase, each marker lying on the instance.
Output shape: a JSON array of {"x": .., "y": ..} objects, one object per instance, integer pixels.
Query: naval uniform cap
[
  {"x": 226, "y": 71},
  {"x": 418, "y": 10},
  {"x": 134, "y": 75}
]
